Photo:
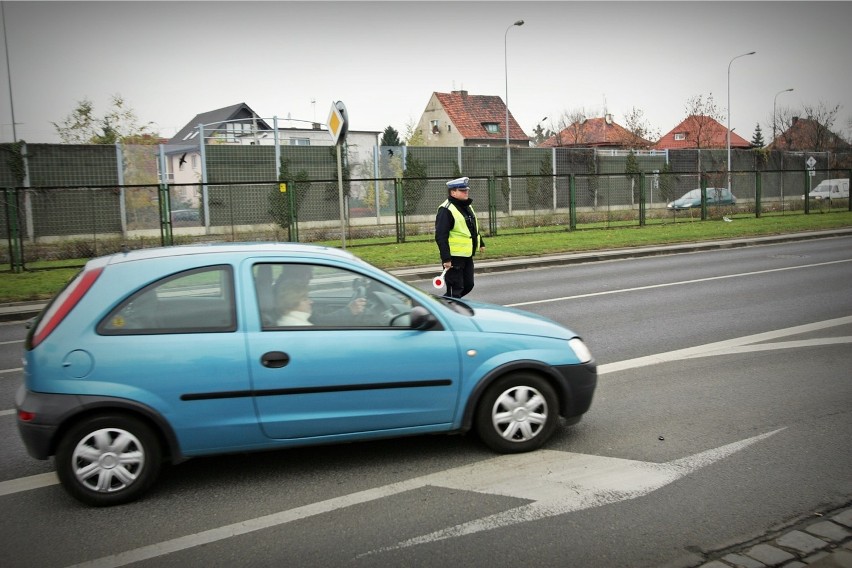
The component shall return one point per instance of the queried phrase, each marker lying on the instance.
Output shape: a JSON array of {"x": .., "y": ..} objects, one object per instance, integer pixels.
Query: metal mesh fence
[{"x": 78, "y": 201}]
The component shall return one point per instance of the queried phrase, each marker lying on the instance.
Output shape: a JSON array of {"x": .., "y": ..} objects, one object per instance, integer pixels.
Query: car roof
[{"x": 240, "y": 249}]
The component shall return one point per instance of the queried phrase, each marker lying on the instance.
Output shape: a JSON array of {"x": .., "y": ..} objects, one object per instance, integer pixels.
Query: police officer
[{"x": 458, "y": 238}]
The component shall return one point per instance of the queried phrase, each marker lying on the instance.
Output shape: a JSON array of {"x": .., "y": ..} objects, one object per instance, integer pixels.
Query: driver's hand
[{"x": 356, "y": 306}]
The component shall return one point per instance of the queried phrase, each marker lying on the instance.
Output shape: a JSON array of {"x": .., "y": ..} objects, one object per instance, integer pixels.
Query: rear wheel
[
  {"x": 518, "y": 413},
  {"x": 108, "y": 460}
]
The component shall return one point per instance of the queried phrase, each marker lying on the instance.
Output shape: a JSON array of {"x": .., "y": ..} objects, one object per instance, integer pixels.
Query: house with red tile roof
[
  {"x": 699, "y": 131},
  {"x": 595, "y": 133},
  {"x": 807, "y": 134},
  {"x": 461, "y": 119}
]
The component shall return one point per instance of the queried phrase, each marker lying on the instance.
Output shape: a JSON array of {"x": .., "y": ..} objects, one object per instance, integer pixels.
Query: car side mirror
[{"x": 422, "y": 319}]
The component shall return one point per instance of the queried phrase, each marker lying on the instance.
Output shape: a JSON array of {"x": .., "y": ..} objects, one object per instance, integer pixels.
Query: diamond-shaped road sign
[
  {"x": 811, "y": 162},
  {"x": 338, "y": 122}
]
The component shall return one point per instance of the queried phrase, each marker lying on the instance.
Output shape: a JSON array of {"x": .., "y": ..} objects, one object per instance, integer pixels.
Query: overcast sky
[{"x": 173, "y": 60}]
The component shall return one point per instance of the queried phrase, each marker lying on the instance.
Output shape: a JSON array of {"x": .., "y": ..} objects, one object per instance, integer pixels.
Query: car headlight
[{"x": 580, "y": 350}]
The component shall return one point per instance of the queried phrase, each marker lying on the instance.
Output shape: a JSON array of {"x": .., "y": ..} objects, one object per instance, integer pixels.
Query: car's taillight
[{"x": 63, "y": 304}]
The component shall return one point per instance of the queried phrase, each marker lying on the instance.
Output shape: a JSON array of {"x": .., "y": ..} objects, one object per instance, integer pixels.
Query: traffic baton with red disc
[{"x": 438, "y": 281}]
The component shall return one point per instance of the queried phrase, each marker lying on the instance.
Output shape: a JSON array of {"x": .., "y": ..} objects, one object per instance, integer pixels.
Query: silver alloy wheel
[
  {"x": 519, "y": 413},
  {"x": 108, "y": 460}
]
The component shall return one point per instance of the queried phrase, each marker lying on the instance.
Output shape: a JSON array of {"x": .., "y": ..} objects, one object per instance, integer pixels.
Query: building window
[
  {"x": 193, "y": 160},
  {"x": 433, "y": 124},
  {"x": 491, "y": 127},
  {"x": 680, "y": 136},
  {"x": 300, "y": 141}
]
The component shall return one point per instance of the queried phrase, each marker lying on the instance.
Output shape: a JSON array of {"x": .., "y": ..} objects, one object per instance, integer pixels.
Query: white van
[{"x": 831, "y": 189}]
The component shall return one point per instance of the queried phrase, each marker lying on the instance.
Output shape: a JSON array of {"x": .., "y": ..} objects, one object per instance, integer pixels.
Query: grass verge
[{"x": 42, "y": 284}]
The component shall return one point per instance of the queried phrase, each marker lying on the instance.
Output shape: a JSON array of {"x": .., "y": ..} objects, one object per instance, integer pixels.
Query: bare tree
[
  {"x": 636, "y": 124},
  {"x": 781, "y": 123},
  {"x": 570, "y": 127},
  {"x": 820, "y": 137},
  {"x": 706, "y": 116}
]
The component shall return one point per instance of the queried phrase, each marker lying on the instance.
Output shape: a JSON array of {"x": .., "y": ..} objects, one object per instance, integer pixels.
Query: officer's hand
[{"x": 447, "y": 264}]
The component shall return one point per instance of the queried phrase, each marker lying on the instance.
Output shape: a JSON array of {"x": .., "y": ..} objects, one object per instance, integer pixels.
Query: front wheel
[
  {"x": 518, "y": 413},
  {"x": 108, "y": 460}
]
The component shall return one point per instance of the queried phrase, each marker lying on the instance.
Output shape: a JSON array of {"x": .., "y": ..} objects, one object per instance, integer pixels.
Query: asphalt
[{"x": 822, "y": 539}]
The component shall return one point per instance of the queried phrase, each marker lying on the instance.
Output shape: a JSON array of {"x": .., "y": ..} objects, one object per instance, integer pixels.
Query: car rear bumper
[{"x": 47, "y": 410}]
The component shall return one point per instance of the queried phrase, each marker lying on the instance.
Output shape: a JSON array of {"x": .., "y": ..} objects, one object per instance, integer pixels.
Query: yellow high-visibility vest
[{"x": 460, "y": 239}]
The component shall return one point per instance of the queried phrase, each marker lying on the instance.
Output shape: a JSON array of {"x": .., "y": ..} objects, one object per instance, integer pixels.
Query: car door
[{"x": 336, "y": 373}]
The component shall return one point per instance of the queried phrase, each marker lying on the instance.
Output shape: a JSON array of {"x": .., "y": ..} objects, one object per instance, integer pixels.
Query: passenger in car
[{"x": 294, "y": 305}]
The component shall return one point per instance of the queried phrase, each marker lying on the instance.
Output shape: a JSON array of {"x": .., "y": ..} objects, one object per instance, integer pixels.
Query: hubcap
[
  {"x": 519, "y": 414},
  {"x": 108, "y": 460}
]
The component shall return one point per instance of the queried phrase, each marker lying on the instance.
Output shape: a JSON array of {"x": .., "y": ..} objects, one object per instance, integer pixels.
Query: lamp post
[
  {"x": 775, "y": 118},
  {"x": 729, "y": 114},
  {"x": 8, "y": 70},
  {"x": 506, "y": 72}
]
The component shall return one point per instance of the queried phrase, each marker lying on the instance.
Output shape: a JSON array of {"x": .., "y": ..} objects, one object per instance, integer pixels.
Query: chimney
[
  {"x": 795, "y": 120},
  {"x": 463, "y": 93}
]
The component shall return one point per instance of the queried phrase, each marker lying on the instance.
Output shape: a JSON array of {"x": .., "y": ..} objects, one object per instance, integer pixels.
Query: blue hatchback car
[{"x": 160, "y": 355}]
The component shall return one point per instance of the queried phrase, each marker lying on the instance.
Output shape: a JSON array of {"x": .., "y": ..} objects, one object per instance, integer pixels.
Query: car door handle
[{"x": 274, "y": 359}]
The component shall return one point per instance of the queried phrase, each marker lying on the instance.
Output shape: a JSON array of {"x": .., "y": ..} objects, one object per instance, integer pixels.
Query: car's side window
[
  {"x": 323, "y": 297},
  {"x": 195, "y": 301}
]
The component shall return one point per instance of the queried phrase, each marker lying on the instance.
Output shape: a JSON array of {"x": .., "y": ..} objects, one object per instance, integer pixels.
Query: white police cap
[{"x": 458, "y": 183}]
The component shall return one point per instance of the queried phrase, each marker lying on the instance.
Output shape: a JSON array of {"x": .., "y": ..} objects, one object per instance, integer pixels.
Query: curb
[{"x": 823, "y": 543}]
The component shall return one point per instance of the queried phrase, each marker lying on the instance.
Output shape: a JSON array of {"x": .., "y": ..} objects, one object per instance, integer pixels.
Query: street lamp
[
  {"x": 506, "y": 71},
  {"x": 729, "y": 114},
  {"x": 774, "y": 118}
]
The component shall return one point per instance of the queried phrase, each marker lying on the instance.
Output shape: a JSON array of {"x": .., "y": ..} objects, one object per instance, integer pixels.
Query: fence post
[
  {"x": 292, "y": 213},
  {"x": 572, "y": 203},
  {"x": 166, "y": 238},
  {"x": 703, "y": 185},
  {"x": 641, "y": 199},
  {"x": 492, "y": 206},
  {"x": 758, "y": 194},
  {"x": 849, "y": 198},
  {"x": 16, "y": 258},
  {"x": 400, "y": 210},
  {"x": 807, "y": 196}
]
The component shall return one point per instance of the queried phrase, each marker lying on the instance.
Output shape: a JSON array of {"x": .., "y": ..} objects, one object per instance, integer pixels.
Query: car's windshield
[{"x": 694, "y": 194}]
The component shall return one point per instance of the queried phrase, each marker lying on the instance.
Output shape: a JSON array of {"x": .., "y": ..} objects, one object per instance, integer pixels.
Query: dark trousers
[{"x": 459, "y": 277}]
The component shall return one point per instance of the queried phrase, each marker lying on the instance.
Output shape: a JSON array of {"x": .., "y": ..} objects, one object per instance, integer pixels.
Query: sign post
[
  {"x": 338, "y": 125},
  {"x": 811, "y": 164}
]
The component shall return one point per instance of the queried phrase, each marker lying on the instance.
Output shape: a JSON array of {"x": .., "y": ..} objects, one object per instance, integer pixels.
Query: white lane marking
[
  {"x": 11, "y": 342},
  {"x": 561, "y": 482},
  {"x": 668, "y": 284},
  {"x": 7, "y": 412},
  {"x": 27, "y": 483},
  {"x": 720, "y": 346},
  {"x": 15, "y": 370}
]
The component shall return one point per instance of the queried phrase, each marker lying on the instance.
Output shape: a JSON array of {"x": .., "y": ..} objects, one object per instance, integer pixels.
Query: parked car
[
  {"x": 831, "y": 189},
  {"x": 160, "y": 355},
  {"x": 715, "y": 196},
  {"x": 186, "y": 215}
]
